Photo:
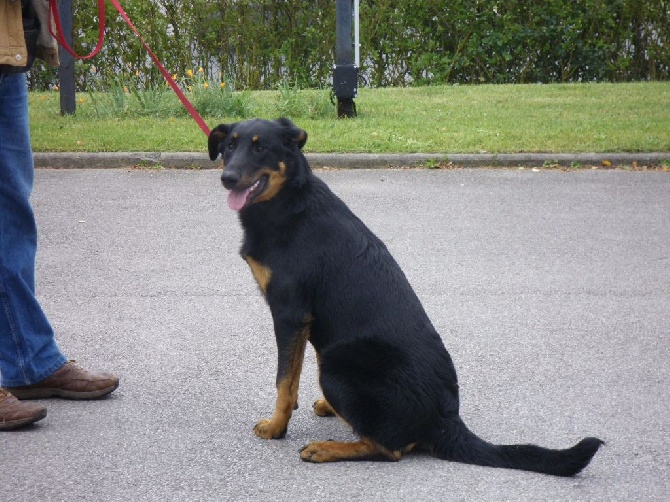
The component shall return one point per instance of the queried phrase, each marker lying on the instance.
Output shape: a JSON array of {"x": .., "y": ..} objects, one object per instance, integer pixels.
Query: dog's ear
[
  {"x": 293, "y": 133},
  {"x": 218, "y": 134},
  {"x": 294, "y": 137}
]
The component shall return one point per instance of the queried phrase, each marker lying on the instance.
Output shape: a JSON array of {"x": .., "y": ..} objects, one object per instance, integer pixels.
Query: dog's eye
[
  {"x": 231, "y": 146},
  {"x": 259, "y": 148}
]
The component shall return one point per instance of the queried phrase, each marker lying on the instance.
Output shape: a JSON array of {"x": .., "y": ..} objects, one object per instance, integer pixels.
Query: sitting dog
[{"x": 329, "y": 280}]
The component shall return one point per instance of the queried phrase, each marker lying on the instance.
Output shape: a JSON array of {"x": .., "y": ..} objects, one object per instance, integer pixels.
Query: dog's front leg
[{"x": 291, "y": 342}]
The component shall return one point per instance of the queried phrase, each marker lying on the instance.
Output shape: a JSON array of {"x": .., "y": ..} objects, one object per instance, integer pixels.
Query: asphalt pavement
[{"x": 551, "y": 290}]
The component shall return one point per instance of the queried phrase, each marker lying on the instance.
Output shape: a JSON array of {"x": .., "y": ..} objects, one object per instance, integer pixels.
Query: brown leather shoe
[
  {"x": 70, "y": 381},
  {"x": 15, "y": 414}
]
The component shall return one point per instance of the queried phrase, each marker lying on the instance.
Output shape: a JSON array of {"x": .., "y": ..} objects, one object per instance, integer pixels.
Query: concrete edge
[{"x": 189, "y": 160}]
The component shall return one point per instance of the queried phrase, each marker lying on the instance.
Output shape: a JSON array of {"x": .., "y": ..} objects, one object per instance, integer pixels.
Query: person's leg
[{"x": 28, "y": 351}]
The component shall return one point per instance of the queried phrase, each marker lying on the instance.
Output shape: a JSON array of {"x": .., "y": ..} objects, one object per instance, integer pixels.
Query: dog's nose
[{"x": 229, "y": 179}]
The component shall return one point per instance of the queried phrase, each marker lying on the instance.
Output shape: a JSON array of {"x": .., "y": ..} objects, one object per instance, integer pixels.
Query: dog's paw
[
  {"x": 334, "y": 451},
  {"x": 323, "y": 408},
  {"x": 267, "y": 429},
  {"x": 314, "y": 452}
]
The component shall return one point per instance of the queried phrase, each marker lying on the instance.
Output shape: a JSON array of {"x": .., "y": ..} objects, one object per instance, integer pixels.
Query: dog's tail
[{"x": 457, "y": 443}]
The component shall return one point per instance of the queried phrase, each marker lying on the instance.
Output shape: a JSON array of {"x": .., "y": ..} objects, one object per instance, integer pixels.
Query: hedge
[{"x": 260, "y": 44}]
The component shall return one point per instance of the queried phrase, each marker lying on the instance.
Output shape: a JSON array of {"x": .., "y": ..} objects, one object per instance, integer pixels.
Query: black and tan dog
[{"x": 329, "y": 281}]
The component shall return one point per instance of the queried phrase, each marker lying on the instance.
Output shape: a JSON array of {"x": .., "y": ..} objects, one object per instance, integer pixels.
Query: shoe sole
[
  {"x": 15, "y": 424},
  {"x": 20, "y": 393}
]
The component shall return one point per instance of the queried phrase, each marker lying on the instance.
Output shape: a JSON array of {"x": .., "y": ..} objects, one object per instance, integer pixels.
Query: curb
[{"x": 189, "y": 160}]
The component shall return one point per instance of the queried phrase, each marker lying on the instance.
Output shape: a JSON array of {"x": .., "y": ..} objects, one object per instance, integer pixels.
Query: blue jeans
[{"x": 28, "y": 351}]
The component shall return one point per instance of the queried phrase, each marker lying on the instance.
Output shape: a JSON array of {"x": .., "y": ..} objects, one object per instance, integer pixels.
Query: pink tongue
[{"x": 237, "y": 198}]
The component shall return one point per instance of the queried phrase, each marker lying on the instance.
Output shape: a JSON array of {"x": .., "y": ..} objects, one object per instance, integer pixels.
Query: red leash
[
  {"x": 53, "y": 4},
  {"x": 53, "y": 10}
]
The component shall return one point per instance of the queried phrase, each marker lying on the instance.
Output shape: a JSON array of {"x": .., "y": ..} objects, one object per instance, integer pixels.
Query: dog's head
[{"x": 260, "y": 158}]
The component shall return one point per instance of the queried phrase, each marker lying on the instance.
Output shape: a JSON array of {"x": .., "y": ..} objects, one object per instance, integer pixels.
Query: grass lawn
[{"x": 556, "y": 118}]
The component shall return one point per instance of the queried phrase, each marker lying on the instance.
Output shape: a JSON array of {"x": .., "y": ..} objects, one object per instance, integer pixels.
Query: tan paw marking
[{"x": 267, "y": 429}]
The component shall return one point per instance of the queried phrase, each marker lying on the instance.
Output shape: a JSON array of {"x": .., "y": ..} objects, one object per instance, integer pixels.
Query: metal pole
[
  {"x": 345, "y": 72},
  {"x": 66, "y": 69},
  {"x": 344, "y": 53}
]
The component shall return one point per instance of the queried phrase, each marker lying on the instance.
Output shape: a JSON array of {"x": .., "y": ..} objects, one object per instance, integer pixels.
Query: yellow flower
[
  {"x": 200, "y": 70},
  {"x": 189, "y": 88},
  {"x": 81, "y": 100},
  {"x": 174, "y": 77},
  {"x": 189, "y": 73},
  {"x": 205, "y": 85},
  {"x": 223, "y": 84},
  {"x": 137, "y": 73},
  {"x": 125, "y": 89}
]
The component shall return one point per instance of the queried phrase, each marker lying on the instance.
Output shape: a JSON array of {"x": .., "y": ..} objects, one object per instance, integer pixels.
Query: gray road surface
[{"x": 550, "y": 289}]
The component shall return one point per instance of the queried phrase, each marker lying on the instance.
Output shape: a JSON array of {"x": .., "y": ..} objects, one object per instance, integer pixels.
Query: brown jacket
[{"x": 12, "y": 42}]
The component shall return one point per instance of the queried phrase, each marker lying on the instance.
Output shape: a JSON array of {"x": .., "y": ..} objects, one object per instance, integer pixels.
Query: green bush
[{"x": 262, "y": 43}]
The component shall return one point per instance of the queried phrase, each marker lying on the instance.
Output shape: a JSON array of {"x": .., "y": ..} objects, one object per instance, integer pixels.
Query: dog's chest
[
  {"x": 262, "y": 273},
  {"x": 271, "y": 255}
]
